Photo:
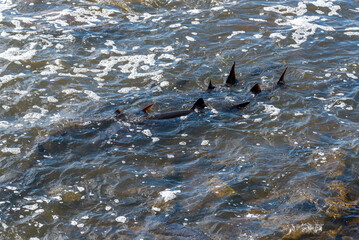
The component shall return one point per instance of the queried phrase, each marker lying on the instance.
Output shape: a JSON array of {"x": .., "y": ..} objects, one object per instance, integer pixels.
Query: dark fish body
[
  {"x": 198, "y": 106},
  {"x": 170, "y": 115}
]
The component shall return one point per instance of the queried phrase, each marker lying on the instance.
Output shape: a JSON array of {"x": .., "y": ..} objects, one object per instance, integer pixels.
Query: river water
[{"x": 284, "y": 167}]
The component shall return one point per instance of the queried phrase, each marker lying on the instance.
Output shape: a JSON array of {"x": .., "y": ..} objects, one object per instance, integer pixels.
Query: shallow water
[{"x": 284, "y": 167}]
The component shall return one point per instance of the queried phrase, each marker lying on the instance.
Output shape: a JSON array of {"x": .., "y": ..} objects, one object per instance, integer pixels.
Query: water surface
[{"x": 284, "y": 167}]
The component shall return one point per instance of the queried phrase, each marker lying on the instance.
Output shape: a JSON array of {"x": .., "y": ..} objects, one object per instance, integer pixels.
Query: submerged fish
[{"x": 198, "y": 106}]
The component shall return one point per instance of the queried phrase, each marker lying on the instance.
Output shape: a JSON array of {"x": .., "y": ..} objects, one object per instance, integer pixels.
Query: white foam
[
  {"x": 277, "y": 36},
  {"x": 121, "y": 219},
  {"x": 52, "y": 99},
  {"x": 4, "y": 124},
  {"x": 92, "y": 95},
  {"x": 16, "y": 54},
  {"x": 351, "y": 33},
  {"x": 70, "y": 91},
  {"x": 217, "y": 8},
  {"x": 31, "y": 207},
  {"x": 191, "y": 39},
  {"x": 205, "y": 142},
  {"x": 128, "y": 89},
  {"x": 302, "y": 26},
  {"x": 147, "y": 132},
  {"x": 169, "y": 195},
  {"x": 328, "y": 4},
  {"x": 11, "y": 150},
  {"x": 272, "y": 110},
  {"x": 351, "y": 75},
  {"x": 164, "y": 84},
  {"x": 194, "y": 11},
  {"x": 175, "y": 25},
  {"x": 257, "y": 20},
  {"x": 234, "y": 33}
]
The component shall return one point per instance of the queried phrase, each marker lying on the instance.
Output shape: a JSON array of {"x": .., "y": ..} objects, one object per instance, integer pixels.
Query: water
[{"x": 284, "y": 167}]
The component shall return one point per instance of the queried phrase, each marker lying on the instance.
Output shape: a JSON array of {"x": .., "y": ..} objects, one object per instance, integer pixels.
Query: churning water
[{"x": 284, "y": 167}]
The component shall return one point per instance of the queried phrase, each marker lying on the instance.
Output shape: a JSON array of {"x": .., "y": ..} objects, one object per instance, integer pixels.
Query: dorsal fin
[
  {"x": 199, "y": 104},
  {"x": 231, "y": 79},
  {"x": 281, "y": 79},
  {"x": 148, "y": 108},
  {"x": 242, "y": 105},
  {"x": 118, "y": 111},
  {"x": 256, "y": 89},
  {"x": 210, "y": 86}
]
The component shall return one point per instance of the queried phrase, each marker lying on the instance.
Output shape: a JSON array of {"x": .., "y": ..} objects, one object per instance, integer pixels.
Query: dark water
[{"x": 284, "y": 167}]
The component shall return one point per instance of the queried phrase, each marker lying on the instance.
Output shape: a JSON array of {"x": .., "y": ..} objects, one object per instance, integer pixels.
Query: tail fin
[
  {"x": 148, "y": 108},
  {"x": 199, "y": 105},
  {"x": 242, "y": 105},
  {"x": 256, "y": 89},
  {"x": 231, "y": 79},
  {"x": 210, "y": 86},
  {"x": 281, "y": 81}
]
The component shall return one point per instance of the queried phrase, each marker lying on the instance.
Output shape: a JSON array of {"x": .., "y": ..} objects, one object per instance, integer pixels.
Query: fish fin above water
[
  {"x": 118, "y": 111},
  {"x": 256, "y": 89},
  {"x": 281, "y": 79},
  {"x": 231, "y": 79},
  {"x": 148, "y": 108},
  {"x": 210, "y": 86},
  {"x": 199, "y": 105},
  {"x": 241, "y": 105}
]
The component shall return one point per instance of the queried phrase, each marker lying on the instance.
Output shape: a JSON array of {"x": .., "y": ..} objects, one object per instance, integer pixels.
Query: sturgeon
[{"x": 198, "y": 106}]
